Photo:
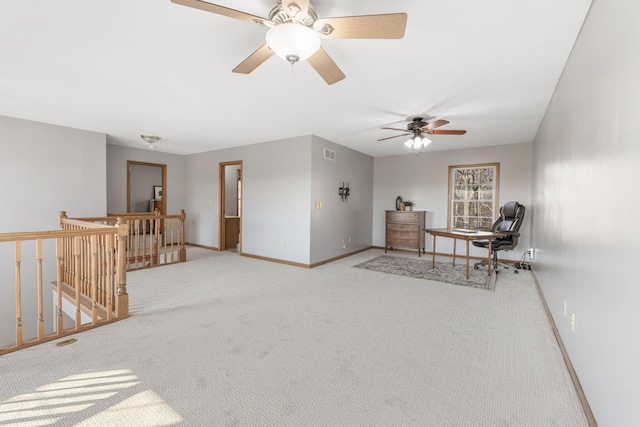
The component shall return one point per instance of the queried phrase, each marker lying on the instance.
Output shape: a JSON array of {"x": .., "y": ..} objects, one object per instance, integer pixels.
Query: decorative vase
[{"x": 398, "y": 202}]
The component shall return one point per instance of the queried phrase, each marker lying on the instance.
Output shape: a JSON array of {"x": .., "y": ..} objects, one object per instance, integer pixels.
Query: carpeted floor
[
  {"x": 226, "y": 340},
  {"x": 421, "y": 268}
]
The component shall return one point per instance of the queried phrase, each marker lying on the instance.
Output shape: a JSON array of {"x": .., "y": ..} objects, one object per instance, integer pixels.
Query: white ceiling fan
[{"x": 295, "y": 33}]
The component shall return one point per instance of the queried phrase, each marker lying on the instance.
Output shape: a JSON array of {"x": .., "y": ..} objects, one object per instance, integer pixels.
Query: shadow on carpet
[{"x": 421, "y": 269}]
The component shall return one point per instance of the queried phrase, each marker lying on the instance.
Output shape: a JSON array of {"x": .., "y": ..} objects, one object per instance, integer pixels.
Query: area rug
[{"x": 442, "y": 272}]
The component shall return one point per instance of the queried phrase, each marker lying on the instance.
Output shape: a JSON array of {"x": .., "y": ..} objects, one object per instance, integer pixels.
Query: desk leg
[
  {"x": 433, "y": 258},
  {"x": 489, "y": 260},
  {"x": 454, "y": 251},
  {"x": 467, "y": 240}
]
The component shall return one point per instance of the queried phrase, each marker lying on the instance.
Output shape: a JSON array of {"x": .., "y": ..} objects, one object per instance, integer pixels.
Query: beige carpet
[{"x": 224, "y": 340}]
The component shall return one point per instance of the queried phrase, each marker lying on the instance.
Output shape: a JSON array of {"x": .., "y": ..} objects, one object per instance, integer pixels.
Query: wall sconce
[{"x": 344, "y": 192}]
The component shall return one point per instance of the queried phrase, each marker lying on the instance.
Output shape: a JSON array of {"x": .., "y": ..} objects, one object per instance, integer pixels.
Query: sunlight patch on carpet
[{"x": 421, "y": 269}]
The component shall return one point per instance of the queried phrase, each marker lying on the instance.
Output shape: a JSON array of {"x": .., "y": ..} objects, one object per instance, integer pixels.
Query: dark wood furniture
[
  {"x": 231, "y": 232},
  {"x": 155, "y": 204},
  {"x": 404, "y": 229}
]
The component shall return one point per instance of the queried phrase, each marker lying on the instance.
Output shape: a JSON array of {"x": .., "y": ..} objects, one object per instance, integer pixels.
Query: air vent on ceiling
[{"x": 329, "y": 154}]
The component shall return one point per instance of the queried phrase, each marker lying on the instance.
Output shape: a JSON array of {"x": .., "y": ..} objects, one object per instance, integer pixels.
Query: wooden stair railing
[
  {"x": 90, "y": 270},
  {"x": 153, "y": 239}
]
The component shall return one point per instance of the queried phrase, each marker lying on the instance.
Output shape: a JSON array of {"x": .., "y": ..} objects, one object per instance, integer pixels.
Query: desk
[{"x": 466, "y": 236}]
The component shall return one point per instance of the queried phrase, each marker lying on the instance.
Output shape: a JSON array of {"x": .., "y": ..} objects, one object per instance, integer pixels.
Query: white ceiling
[{"x": 126, "y": 67}]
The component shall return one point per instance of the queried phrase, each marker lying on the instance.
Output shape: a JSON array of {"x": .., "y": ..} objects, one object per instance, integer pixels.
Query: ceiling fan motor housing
[
  {"x": 416, "y": 124},
  {"x": 279, "y": 15}
]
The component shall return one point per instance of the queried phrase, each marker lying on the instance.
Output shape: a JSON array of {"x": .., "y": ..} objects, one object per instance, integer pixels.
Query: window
[{"x": 473, "y": 195}]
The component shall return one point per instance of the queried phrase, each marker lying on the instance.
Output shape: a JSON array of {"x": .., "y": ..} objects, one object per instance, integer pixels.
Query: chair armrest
[{"x": 510, "y": 234}]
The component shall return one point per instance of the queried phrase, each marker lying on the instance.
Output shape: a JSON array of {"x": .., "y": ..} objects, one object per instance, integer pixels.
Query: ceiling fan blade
[
  {"x": 388, "y": 26},
  {"x": 254, "y": 60},
  {"x": 397, "y": 136},
  {"x": 221, "y": 10},
  {"x": 434, "y": 125},
  {"x": 447, "y": 132},
  {"x": 401, "y": 130},
  {"x": 303, "y": 5},
  {"x": 325, "y": 66}
]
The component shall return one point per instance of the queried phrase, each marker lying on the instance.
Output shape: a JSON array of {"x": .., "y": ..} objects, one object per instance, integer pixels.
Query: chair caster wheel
[
  {"x": 475, "y": 267},
  {"x": 515, "y": 271}
]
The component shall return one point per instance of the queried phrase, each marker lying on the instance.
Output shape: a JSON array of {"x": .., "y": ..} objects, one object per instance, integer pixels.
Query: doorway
[
  {"x": 146, "y": 187},
  {"x": 230, "y": 229}
]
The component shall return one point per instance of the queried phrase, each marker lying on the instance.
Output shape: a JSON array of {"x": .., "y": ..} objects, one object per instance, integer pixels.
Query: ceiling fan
[
  {"x": 418, "y": 128},
  {"x": 295, "y": 32}
]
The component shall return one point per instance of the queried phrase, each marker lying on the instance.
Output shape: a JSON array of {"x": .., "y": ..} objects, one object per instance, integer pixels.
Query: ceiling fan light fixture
[
  {"x": 293, "y": 42},
  {"x": 417, "y": 142}
]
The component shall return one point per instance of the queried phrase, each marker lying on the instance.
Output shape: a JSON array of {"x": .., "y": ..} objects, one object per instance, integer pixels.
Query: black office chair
[{"x": 511, "y": 216}]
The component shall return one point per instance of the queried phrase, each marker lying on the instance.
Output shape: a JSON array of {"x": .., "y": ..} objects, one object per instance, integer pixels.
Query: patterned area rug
[{"x": 443, "y": 271}]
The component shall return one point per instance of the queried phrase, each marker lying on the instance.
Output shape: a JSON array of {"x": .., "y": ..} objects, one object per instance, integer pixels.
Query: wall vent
[{"x": 329, "y": 154}]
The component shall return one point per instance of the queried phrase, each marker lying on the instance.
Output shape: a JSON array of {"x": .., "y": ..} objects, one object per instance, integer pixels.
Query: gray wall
[
  {"x": 44, "y": 169},
  {"x": 586, "y": 204},
  {"x": 424, "y": 180},
  {"x": 337, "y": 221},
  {"x": 117, "y": 157},
  {"x": 276, "y": 202},
  {"x": 282, "y": 180}
]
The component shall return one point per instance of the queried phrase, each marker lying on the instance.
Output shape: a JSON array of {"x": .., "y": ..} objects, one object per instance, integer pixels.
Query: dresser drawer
[
  {"x": 404, "y": 216},
  {"x": 408, "y": 231},
  {"x": 402, "y": 234},
  {"x": 407, "y": 241},
  {"x": 395, "y": 226}
]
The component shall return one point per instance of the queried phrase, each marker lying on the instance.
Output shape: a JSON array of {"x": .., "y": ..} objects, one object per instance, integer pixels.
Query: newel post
[
  {"x": 122, "y": 298},
  {"x": 61, "y": 218}
]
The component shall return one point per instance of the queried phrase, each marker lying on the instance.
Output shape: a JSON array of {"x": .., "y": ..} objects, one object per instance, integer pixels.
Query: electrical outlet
[
  {"x": 532, "y": 252},
  {"x": 572, "y": 321},
  {"x": 282, "y": 245},
  {"x": 210, "y": 202},
  {"x": 564, "y": 308},
  {"x": 349, "y": 239},
  {"x": 318, "y": 205}
]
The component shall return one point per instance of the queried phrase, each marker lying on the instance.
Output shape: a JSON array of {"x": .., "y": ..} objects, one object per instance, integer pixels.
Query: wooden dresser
[
  {"x": 404, "y": 229},
  {"x": 155, "y": 204}
]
